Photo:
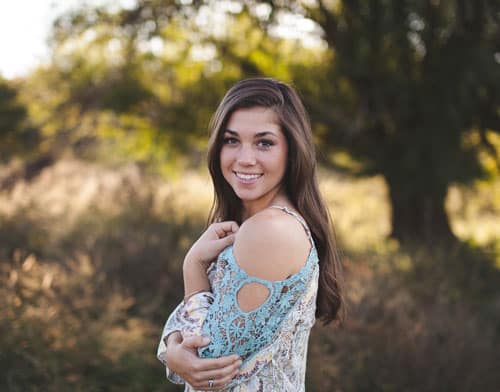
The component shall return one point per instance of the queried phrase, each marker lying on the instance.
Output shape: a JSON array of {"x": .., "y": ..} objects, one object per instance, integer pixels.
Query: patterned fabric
[
  {"x": 272, "y": 340},
  {"x": 187, "y": 318},
  {"x": 233, "y": 331}
]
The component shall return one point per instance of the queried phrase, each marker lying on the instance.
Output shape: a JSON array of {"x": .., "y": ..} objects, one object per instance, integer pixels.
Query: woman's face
[{"x": 253, "y": 157}]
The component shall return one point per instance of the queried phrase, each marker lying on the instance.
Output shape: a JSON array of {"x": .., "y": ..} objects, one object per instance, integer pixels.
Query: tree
[
  {"x": 412, "y": 92},
  {"x": 409, "y": 88},
  {"x": 151, "y": 75}
]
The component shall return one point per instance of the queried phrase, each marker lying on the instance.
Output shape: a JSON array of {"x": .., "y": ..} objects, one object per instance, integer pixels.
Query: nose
[{"x": 246, "y": 156}]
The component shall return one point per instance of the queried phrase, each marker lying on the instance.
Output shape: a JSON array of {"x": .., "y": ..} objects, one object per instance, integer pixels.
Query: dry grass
[{"x": 90, "y": 266}]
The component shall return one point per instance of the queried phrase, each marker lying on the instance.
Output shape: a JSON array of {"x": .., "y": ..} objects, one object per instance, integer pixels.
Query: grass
[{"x": 90, "y": 267}]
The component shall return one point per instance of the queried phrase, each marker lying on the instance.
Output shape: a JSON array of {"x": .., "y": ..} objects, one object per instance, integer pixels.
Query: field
[{"x": 90, "y": 267}]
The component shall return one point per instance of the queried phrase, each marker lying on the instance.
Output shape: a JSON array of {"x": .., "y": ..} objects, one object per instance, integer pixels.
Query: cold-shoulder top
[{"x": 271, "y": 339}]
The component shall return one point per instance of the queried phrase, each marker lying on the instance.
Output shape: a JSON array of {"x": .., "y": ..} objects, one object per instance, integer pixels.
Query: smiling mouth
[{"x": 247, "y": 176}]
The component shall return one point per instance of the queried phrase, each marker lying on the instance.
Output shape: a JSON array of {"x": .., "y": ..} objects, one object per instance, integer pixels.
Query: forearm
[
  {"x": 195, "y": 276},
  {"x": 206, "y": 249}
]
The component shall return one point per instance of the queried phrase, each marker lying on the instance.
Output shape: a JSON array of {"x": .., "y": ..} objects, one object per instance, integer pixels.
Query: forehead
[{"x": 254, "y": 120}]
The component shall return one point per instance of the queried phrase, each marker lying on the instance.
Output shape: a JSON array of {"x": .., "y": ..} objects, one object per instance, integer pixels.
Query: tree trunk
[{"x": 418, "y": 215}]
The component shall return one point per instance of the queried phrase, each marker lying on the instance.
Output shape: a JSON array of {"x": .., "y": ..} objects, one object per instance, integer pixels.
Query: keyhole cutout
[{"x": 252, "y": 295}]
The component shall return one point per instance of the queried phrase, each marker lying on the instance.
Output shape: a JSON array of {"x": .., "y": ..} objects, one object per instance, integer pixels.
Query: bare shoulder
[{"x": 271, "y": 245}]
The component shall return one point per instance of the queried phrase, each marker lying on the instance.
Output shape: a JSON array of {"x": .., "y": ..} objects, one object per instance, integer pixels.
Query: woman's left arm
[{"x": 183, "y": 332}]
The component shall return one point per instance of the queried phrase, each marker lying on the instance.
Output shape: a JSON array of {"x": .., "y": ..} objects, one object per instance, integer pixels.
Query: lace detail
[
  {"x": 280, "y": 365},
  {"x": 234, "y": 331}
]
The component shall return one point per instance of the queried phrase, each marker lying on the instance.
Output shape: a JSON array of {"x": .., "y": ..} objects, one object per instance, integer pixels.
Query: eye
[
  {"x": 265, "y": 143},
  {"x": 230, "y": 140}
]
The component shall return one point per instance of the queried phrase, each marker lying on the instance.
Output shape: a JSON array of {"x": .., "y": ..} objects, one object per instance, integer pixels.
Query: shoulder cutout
[{"x": 271, "y": 245}]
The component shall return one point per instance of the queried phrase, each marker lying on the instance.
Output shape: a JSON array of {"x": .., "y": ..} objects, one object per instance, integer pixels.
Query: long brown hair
[{"x": 300, "y": 178}]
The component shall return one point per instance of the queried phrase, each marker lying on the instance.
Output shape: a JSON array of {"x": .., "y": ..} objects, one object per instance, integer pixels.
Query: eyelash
[
  {"x": 230, "y": 140},
  {"x": 264, "y": 143}
]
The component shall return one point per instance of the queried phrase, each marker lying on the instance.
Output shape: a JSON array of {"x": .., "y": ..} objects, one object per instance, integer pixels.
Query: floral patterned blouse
[{"x": 279, "y": 362}]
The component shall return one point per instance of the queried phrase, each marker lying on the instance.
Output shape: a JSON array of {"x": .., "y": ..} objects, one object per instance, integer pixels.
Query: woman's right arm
[
  {"x": 181, "y": 358},
  {"x": 206, "y": 249}
]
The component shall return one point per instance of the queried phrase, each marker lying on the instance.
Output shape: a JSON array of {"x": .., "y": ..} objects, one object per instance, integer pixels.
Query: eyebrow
[{"x": 258, "y": 134}]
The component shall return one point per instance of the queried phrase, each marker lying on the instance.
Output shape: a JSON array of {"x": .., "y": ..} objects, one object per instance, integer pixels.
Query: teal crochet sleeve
[{"x": 234, "y": 331}]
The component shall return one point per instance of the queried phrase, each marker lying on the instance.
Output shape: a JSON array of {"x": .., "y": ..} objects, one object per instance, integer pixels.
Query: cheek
[{"x": 277, "y": 164}]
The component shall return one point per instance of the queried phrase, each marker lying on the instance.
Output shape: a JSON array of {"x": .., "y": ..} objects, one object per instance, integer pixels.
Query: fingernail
[{"x": 205, "y": 340}]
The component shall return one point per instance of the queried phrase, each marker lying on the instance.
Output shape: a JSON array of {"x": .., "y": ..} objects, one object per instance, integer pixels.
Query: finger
[
  {"x": 220, "y": 232},
  {"x": 225, "y": 374},
  {"x": 195, "y": 341},
  {"x": 227, "y": 227},
  {"x": 234, "y": 227},
  {"x": 225, "y": 241},
  {"x": 215, "y": 386},
  {"x": 218, "y": 382},
  {"x": 226, "y": 380},
  {"x": 207, "y": 364}
]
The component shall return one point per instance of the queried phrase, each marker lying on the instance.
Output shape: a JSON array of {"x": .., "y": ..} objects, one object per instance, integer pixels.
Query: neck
[{"x": 251, "y": 208}]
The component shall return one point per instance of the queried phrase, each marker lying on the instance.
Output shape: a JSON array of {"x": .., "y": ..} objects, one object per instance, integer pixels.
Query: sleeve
[
  {"x": 187, "y": 318},
  {"x": 277, "y": 351}
]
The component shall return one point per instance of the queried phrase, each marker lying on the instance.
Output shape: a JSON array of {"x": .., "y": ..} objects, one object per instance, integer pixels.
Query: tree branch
[{"x": 325, "y": 19}]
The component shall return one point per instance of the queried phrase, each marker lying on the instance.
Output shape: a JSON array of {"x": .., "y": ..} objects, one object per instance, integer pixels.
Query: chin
[{"x": 246, "y": 197}]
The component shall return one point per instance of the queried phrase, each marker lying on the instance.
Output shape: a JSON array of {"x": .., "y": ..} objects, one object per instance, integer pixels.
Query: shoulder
[
  {"x": 271, "y": 245},
  {"x": 274, "y": 225}
]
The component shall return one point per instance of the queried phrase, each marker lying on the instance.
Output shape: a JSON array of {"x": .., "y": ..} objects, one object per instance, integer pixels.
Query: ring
[{"x": 210, "y": 383}]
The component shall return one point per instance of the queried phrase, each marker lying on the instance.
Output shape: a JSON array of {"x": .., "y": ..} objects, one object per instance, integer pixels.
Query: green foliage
[
  {"x": 141, "y": 83},
  {"x": 16, "y": 136},
  {"x": 11, "y": 113},
  {"x": 401, "y": 87}
]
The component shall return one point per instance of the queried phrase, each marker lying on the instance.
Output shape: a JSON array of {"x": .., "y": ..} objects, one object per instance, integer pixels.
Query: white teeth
[{"x": 247, "y": 176}]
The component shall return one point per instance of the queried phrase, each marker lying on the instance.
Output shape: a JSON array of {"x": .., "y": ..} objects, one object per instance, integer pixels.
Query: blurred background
[{"x": 103, "y": 185}]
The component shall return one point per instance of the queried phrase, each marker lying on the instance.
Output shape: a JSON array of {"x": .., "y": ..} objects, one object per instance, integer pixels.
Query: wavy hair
[{"x": 301, "y": 184}]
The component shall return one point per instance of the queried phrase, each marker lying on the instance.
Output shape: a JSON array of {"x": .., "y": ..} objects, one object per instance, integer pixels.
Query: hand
[
  {"x": 182, "y": 358},
  {"x": 217, "y": 237}
]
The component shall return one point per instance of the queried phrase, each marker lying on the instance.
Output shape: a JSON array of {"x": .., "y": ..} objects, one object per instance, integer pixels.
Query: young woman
[{"x": 267, "y": 265}]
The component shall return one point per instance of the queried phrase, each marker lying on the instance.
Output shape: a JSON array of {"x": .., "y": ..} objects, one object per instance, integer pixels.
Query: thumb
[
  {"x": 195, "y": 341},
  {"x": 227, "y": 240}
]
